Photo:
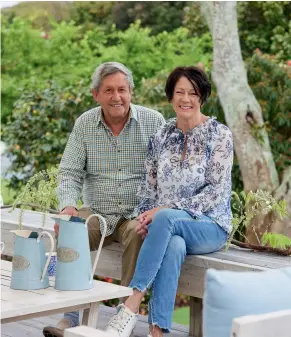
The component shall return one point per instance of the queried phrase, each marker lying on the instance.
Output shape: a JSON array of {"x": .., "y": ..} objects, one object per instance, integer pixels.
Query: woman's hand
[{"x": 144, "y": 219}]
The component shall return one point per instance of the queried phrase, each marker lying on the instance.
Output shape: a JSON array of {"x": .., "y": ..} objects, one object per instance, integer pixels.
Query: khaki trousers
[{"x": 124, "y": 233}]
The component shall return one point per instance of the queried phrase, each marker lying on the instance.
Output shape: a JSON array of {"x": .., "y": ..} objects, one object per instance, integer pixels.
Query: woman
[{"x": 185, "y": 206}]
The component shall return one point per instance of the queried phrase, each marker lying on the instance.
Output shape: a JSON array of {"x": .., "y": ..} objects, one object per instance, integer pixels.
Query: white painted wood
[
  {"x": 93, "y": 315},
  {"x": 30, "y": 218},
  {"x": 17, "y": 304},
  {"x": 275, "y": 324},
  {"x": 41, "y": 314},
  {"x": 84, "y": 331},
  {"x": 90, "y": 316}
]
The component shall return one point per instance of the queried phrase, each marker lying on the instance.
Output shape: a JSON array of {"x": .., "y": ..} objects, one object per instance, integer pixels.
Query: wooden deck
[{"x": 33, "y": 327}]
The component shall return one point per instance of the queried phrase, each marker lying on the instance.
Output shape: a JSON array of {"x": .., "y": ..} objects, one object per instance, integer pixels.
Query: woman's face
[{"x": 185, "y": 100}]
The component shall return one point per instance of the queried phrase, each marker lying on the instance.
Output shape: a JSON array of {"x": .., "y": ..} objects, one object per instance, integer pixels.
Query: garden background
[{"x": 50, "y": 50}]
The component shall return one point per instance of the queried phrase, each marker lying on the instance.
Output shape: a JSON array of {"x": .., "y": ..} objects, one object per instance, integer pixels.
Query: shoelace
[{"x": 117, "y": 321}]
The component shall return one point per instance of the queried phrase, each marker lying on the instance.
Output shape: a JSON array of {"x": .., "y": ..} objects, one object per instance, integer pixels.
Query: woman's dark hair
[{"x": 195, "y": 75}]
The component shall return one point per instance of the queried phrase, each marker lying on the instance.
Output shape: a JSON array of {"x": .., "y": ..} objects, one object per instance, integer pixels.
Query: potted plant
[{"x": 39, "y": 193}]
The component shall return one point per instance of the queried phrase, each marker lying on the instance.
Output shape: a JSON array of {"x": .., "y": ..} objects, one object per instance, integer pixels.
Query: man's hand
[
  {"x": 144, "y": 219},
  {"x": 67, "y": 210}
]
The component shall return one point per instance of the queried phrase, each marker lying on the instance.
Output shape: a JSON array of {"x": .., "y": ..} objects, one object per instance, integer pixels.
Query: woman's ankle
[
  {"x": 133, "y": 302},
  {"x": 156, "y": 331}
]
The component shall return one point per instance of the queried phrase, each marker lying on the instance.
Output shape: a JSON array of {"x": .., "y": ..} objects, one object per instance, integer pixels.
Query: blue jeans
[{"x": 171, "y": 235}]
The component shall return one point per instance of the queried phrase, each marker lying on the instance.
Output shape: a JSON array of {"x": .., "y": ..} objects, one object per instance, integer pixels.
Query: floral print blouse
[{"x": 200, "y": 183}]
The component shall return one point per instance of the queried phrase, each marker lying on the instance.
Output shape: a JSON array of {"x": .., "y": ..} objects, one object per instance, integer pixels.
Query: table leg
[{"x": 90, "y": 316}]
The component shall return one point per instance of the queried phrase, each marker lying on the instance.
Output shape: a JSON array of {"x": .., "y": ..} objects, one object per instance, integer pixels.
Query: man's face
[{"x": 114, "y": 96}]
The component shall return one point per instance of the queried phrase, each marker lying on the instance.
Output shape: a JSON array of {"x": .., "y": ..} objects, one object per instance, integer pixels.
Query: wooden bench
[{"x": 191, "y": 280}]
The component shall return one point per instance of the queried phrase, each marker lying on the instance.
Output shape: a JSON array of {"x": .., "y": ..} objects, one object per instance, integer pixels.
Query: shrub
[{"x": 38, "y": 129}]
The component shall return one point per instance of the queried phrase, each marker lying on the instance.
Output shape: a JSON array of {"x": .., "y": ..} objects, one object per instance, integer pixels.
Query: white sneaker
[{"x": 122, "y": 324}]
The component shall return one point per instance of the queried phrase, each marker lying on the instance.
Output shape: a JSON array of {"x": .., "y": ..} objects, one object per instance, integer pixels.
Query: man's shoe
[
  {"x": 122, "y": 324},
  {"x": 58, "y": 331}
]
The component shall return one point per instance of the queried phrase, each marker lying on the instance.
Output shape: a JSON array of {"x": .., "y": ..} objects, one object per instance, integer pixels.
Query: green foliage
[
  {"x": 91, "y": 13},
  {"x": 39, "y": 191},
  {"x": 39, "y": 12},
  {"x": 70, "y": 54},
  {"x": 263, "y": 25},
  {"x": 193, "y": 20},
  {"x": 146, "y": 55},
  {"x": 37, "y": 131},
  {"x": 29, "y": 61},
  {"x": 7, "y": 193},
  {"x": 246, "y": 206},
  {"x": 271, "y": 84},
  {"x": 182, "y": 315},
  {"x": 266, "y": 26},
  {"x": 276, "y": 240},
  {"x": 160, "y": 16}
]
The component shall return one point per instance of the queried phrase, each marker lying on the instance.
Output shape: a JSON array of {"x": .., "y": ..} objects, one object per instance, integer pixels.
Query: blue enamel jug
[
  {"x": 74, "y": 269},
  {"x": 29, "y": 263}
]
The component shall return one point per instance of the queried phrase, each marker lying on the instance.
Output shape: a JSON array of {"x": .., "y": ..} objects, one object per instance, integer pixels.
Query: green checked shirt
[{"x": 107, "y": 168}]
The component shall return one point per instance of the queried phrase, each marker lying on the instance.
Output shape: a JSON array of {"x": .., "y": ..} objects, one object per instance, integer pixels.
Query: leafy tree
[
  {"x": 39, "y": 13},
  {"x": 91, "y": 13},
  {"x": 29, "y": 60},
  {"x": 69, "y": 54},
  {"x": 261, "y": 24},
  {"x": 37, "y": 131},
  {"x": 158, "y": 15}
]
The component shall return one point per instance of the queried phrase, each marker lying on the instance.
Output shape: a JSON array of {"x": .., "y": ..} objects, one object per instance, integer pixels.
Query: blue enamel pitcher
[
  {"x": 29, "y": 263},
  {"x": 74, "y": 268}
]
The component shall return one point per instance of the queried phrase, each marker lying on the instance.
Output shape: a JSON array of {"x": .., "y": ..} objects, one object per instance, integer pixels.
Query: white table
[{"x": 19, "y": 305}]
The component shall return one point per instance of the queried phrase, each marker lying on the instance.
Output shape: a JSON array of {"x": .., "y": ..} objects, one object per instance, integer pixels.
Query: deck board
[{"x": 33, "y": 327}]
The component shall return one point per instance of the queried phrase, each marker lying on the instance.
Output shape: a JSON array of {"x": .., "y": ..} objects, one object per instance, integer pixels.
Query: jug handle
[
  {"x": 50, "y": 253},
  {"x": 101, "y": 242}
]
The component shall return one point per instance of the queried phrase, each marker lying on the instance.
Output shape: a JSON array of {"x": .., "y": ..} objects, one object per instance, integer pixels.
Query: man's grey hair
[{"x": 109, "y": 68}]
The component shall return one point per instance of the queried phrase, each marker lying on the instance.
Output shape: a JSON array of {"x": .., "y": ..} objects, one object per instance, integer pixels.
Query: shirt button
[
  {"x": 119, "y": 203},
  {"x": 119, "y": 169},
  {"x": 118, "y": 150}
]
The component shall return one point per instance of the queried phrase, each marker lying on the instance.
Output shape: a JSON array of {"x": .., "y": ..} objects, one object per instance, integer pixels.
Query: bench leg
[
  {"x": 195, "y": 328},
  {"x": 90, "y": 316}
]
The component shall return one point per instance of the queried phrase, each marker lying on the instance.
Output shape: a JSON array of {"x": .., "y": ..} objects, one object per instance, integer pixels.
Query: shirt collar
[{"x": 132, "y": 114}]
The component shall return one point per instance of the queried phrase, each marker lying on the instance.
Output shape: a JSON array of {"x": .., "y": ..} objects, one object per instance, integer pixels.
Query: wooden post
[
  {"x": 90, "y": 316},
  {"x": 195, "y": 329}
]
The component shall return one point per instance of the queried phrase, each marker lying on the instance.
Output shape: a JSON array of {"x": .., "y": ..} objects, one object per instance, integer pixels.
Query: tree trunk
[{"x": 242, "y": 112}]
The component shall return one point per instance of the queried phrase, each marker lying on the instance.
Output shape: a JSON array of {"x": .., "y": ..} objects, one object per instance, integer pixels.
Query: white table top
[{"x": 16, "y": 303}]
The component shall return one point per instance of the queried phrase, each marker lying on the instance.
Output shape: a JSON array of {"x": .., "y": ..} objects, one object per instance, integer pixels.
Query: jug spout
[{"x": 57, "y": 218}]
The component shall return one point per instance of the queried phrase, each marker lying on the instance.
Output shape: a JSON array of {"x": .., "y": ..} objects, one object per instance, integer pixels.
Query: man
[{"x": 104, "y": 156}]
